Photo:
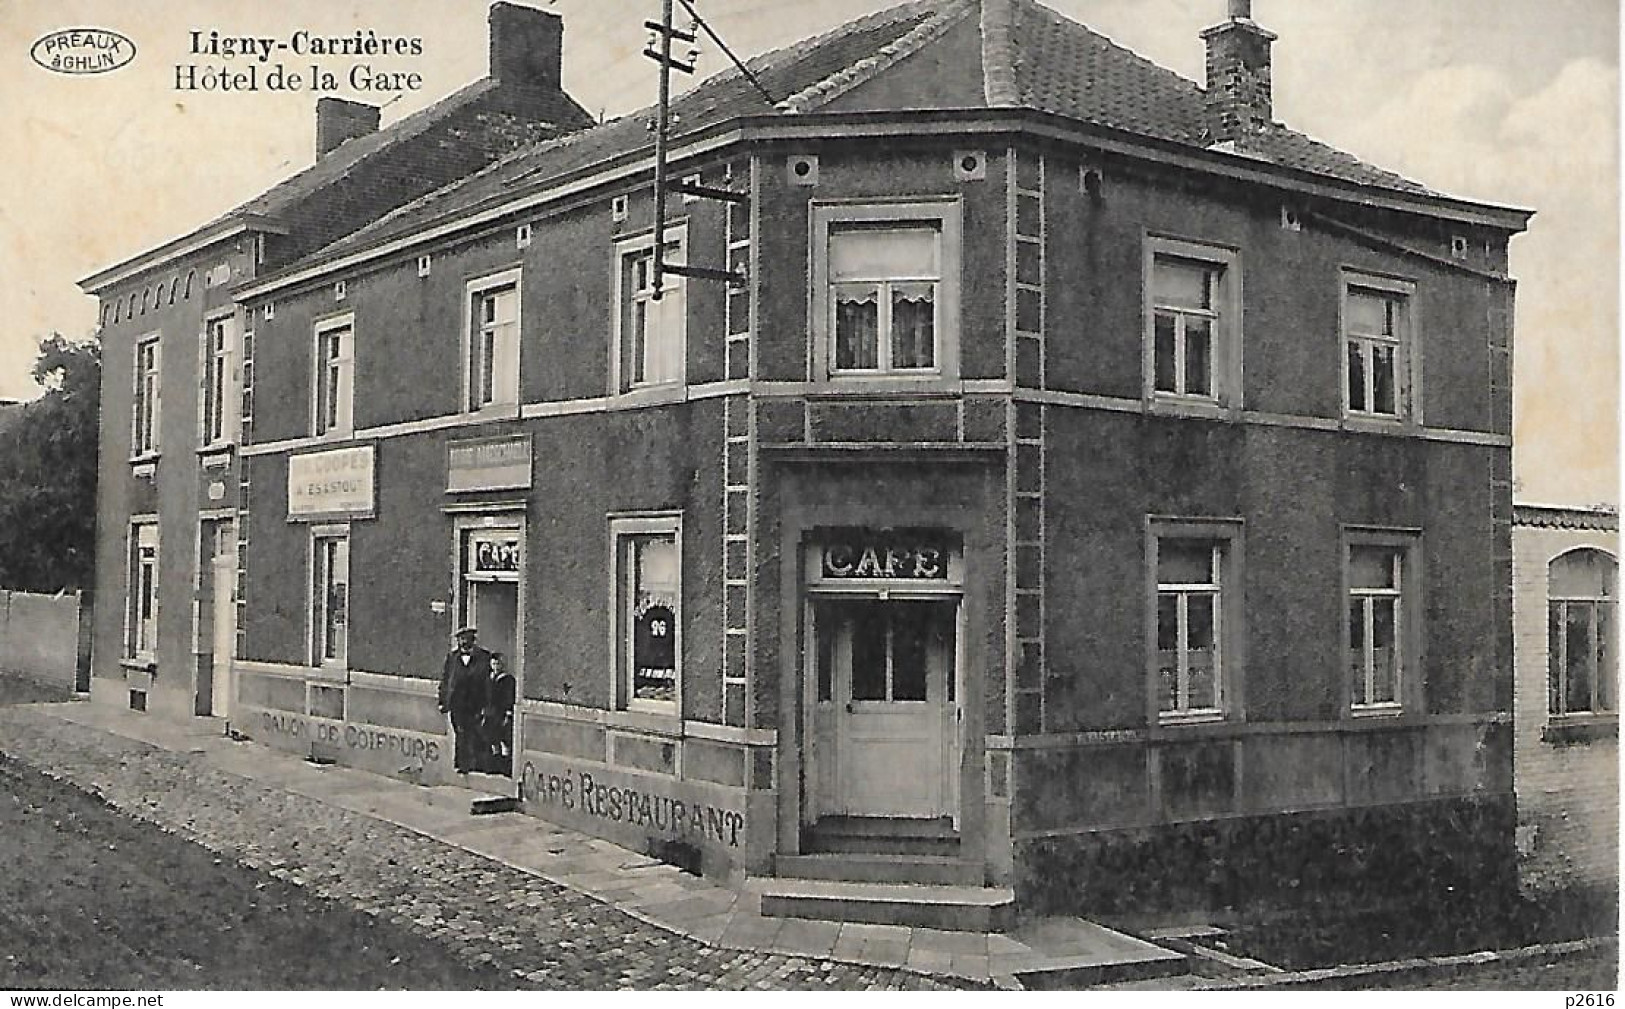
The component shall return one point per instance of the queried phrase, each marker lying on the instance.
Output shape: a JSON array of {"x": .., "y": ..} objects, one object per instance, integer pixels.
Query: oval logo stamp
[{"x": 83, "y": 51}]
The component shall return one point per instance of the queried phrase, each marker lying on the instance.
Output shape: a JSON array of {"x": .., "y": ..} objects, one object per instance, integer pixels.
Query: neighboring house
[
  {"x": 1094, "y": 488},
  {"x": 1566, "y": 701},
  {"x": 177, "y": 401}
]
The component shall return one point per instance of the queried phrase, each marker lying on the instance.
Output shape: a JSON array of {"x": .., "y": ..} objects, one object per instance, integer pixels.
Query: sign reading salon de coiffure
[{"x": 337, "y": 483}]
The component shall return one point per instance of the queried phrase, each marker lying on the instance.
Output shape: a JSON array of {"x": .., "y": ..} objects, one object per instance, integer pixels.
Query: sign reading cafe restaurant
[{"x": 337, "y": 483}]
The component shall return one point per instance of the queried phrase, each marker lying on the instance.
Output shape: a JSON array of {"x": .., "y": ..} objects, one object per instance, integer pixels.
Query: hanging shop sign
[
  {"x": 905, "y": 554},
  {"x": 334, "y": 484},
  {"x": 488, "y": 464}
]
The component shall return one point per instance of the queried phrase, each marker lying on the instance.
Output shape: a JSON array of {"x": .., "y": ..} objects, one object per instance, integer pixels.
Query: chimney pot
[
  {"x": 339, "y": 119},
  {"x": 1241, "y": 9},
  {"x": 527, "y": 46}
]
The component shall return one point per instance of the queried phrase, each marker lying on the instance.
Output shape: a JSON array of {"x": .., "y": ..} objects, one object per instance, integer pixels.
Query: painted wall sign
[
  {"x": 488, "y": 464},
  {"x": 355, "y": 737},
  {"x": 577, "y": 791},
  {"x": 83, "y": 51},
  {"x": 909, "y": 554},
  {"x": 332, "y": 484}
]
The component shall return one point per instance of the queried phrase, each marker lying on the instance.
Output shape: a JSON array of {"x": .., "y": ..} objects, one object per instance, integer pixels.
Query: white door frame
[
  {"x": 223, "y": 569},
  {"x": 511, "y": 521}
]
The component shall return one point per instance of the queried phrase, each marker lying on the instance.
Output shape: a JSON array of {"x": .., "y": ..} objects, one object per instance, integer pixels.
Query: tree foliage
[{"x": 48, "y": 473}]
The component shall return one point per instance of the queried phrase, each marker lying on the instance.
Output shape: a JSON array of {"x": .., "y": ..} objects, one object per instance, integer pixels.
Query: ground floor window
[
  {"x": 141, "y": 623},
  {"x": 1381, "y": 612},
  {"x": 329, "y": 596},
  {"x": 1191, "y": 622},
  {"x": 648, "y": 612},
  {"x": 1581, "y": 658}
]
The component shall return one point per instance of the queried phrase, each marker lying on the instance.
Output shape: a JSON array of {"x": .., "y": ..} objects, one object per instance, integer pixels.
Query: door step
[
  {"x": 950, "y": 908},
  {"x": 884, "y": 835},
  {"x": 869, "y": 867}
]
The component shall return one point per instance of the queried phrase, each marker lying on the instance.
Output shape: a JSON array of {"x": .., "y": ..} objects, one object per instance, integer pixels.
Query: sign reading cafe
[
  {"x": 911, "y": 554},
  {"x": 334, "y": 484}
]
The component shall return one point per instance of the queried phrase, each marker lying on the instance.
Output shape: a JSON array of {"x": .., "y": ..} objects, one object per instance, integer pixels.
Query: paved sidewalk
[
  {"x": 552, "y": 907},
  {"x": 191, "y": 777}
]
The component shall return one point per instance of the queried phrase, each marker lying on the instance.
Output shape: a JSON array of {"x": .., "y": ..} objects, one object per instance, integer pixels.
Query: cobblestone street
[{"x": 487, "y": 914}]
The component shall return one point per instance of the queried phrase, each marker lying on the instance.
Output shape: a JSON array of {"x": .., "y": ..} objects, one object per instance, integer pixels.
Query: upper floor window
[
  {"x": 1382, "y": 612},
  {"x": 886, "y": 291},
  {"x": 1192, "y": 584},
  {"x": 141, "y": 596},
  {"x": 1377, "y": 371},
  {"x": 648, "y": 612},
  {"x": 335, "y": 376},
  {"x": 491, "y": 348},
  {"x": 329, "y": 596},
  {"x": 214, "y": 405},
  {"x": 1581, "y": 659},
  {"x": 148, "y": 391},
  {"x": 651, "y": 332},
  {"x": 883, "y": 292},
  {"x": 1193, "y": 320}
]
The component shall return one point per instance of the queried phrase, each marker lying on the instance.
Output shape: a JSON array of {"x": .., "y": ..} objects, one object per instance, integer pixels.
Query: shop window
[
  {"x": 886, "y": 291},
  {"x": 1581, "y": 655},
  {"x": 329, "y": 596},
  {"x": 648, "y": 613},
  {"x": 1382, "y": 614},
  {"x": 148, "y": 392},
  {"x": 141, "y": 616},
  {"x": 1378, "y": 356},
  {"x": 650, "y": 332},
  {"x": 1193, "y": 323},
  {"x": 214, "y": 405},
  {"x": 1191, "y": 623},
  {"x": 335, "y": 377},
  {"x": 491, "y": 348}
]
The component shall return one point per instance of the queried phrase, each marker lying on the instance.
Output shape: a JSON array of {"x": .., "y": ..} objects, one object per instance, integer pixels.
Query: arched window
[
  {"x": 189, "y": 275},
  {"x": 174, "y": 285},
  {"x": 1581, "y": 628},
  {"x": 145, "y": 293},
  {"x": 129, "y": 308},
  {"x": 106, "y": 308}
]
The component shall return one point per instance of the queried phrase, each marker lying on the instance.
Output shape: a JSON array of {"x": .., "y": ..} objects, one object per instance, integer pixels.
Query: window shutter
[{"x": 157, "y": 394}]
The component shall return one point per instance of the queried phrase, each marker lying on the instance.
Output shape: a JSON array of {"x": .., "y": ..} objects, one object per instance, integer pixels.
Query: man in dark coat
[{"x": 463, "y": 683}]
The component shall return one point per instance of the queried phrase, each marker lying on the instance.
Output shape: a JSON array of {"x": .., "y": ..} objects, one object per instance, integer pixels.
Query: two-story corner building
[
  {"x": 1566, "y": 706},
  {"x": 1093, "y": 488},
  {"x": 176, "y": 397}
]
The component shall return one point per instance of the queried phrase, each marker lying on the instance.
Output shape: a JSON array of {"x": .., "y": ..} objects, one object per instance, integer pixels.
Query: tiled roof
[
  {"x": 1032, "y": 57},
  {"x": 1598, "y": 518}
]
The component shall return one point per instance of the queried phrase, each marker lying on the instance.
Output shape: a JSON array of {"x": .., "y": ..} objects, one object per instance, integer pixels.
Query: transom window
[
  {"x": 884, "y": 282},
  {"x": 648, "y": 608},
  {"x": 652, "y": 329},
  {"x": 491, "y": 368},
  {"x": 1377, "y": 351},
  {"x": 148, "y": 388},
  {"x": 215, "y": 403},
  {"x": 1581, "y": 626},
  {"x": 329, "y": 598},
  {"x": 335, "y": 378},
  {"x": 1189, "y": 615},
  {"x": 1376, "y": 614}
]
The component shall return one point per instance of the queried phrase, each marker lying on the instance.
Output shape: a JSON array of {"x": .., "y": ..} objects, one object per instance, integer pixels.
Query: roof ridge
[
  {"x": 999, "y": 81},
  {"x": 948, "y": 14}
]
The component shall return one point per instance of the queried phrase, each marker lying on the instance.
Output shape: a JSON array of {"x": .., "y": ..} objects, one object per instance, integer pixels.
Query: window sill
[
  {"x": 1376, "y": 710},
  {"x": 924, "y": 385},
  {"x": 139, "y": 663},
  {"x": 1378, "y": 424},
  {"x": 665, "y": 722},
  {"x": 493, "y": 411},
  {"x": 144, "y": 467},
  {"x": 335, "y": 435},
  {"x": 216, "y": 455},
  {"x": 1168, "y": 719},
  {"x": 1164, "y": 404},
  {"x": 649, "y": 395},
  {"x": 1565, "y": 730}
]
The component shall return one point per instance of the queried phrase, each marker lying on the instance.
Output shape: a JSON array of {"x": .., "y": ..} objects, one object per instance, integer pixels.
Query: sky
[{"x": 1514, "y": 102}]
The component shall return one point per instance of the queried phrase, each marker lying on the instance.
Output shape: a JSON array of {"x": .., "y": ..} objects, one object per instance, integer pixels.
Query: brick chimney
[
  {"x": 339, "y": 119},
  {"x": 527, "y": 46},
  {"x": 1238, "y": 77}
]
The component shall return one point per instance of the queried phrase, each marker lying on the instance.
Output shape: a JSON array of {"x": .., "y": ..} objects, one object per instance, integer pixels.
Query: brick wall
[{"x": 1568, "y": 793}]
